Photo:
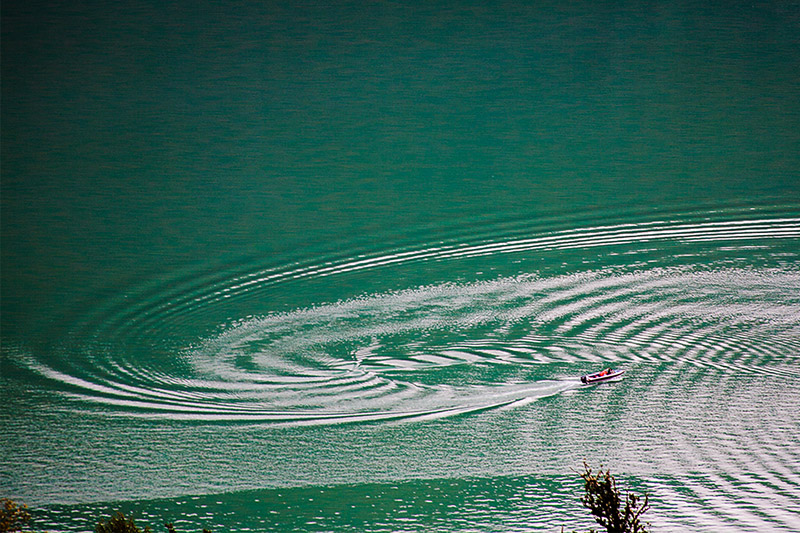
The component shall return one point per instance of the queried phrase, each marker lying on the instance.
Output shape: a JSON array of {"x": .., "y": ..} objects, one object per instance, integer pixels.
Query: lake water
[{"x": 292, "y": 266}]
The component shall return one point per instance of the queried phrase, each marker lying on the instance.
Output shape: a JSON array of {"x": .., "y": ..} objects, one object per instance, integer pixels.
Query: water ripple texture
[
  {"x": 456, "y": 346},
  {"x": 454, "y": 354}
]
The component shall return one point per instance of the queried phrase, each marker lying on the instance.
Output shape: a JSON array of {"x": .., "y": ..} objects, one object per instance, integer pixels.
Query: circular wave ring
[{"x": 383, "y": 356}]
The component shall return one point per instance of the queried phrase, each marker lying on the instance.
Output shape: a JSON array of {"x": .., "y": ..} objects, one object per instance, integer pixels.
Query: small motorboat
[{"x": 603, "y": 375}]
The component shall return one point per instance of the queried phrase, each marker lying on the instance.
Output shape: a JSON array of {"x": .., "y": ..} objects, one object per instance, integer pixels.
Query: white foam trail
[{"x": 721, "y": 319}]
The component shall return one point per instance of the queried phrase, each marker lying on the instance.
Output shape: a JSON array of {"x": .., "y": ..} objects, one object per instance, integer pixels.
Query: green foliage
[
  {"x": 603, "y": 499},
  {"x": 13, "y": 517},
  {"x": 119, "y": 524}
]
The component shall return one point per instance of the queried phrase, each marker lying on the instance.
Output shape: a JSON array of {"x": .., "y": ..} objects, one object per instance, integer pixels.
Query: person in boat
[{"x": 598, "y": 375}]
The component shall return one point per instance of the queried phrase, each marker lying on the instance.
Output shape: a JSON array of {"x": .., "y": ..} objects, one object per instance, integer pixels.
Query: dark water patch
[
  {"x": 518, "y": 503},
  {"x": 437, "y": 504}
]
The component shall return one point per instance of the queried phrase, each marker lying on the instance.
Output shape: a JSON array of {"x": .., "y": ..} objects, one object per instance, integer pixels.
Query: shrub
[
  {"x": 603, "y": 499},
  {"x": 13, "y": 517},
  {"x": 119, "y": 524}
]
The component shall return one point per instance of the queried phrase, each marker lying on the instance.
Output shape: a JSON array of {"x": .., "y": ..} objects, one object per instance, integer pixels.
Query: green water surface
[{"x": 336, "y": 266}]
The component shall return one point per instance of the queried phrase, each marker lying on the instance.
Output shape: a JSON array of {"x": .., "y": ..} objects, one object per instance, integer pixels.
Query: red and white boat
[{"x": 603, "y": 375}]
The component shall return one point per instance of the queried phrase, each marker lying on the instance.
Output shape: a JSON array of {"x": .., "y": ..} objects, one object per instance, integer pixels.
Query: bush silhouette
[
  {"x": 119, "y": 524},
  {"x": 13, "y": 517},
  {"x": 603, "y": 499}
]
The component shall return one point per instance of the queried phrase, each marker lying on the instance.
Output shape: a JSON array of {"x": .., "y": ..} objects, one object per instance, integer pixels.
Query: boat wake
[
  {"x": 457, "y": 348},
  {"x": 252, "y": 375},
  {"x": 695, "y": 293}
]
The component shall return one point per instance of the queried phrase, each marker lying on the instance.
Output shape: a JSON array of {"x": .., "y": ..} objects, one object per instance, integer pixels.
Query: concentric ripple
[
  {"x": 455, "y": 346},
  {"x": 305, "y": 370},
  {"x": 570, "y": 239}
]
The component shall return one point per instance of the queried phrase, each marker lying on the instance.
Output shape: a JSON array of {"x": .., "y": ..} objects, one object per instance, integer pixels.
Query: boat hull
[{"x": 599, "y": 377}]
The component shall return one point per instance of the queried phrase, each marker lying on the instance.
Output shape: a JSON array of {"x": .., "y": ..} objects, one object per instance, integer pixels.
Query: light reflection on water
[
  {"x": 468, "y": 380},
  {"x": 337, "y": 265}
]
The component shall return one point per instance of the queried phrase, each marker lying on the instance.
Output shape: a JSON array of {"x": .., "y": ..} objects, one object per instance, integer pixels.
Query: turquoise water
[{"x": 273, "y": 267}]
